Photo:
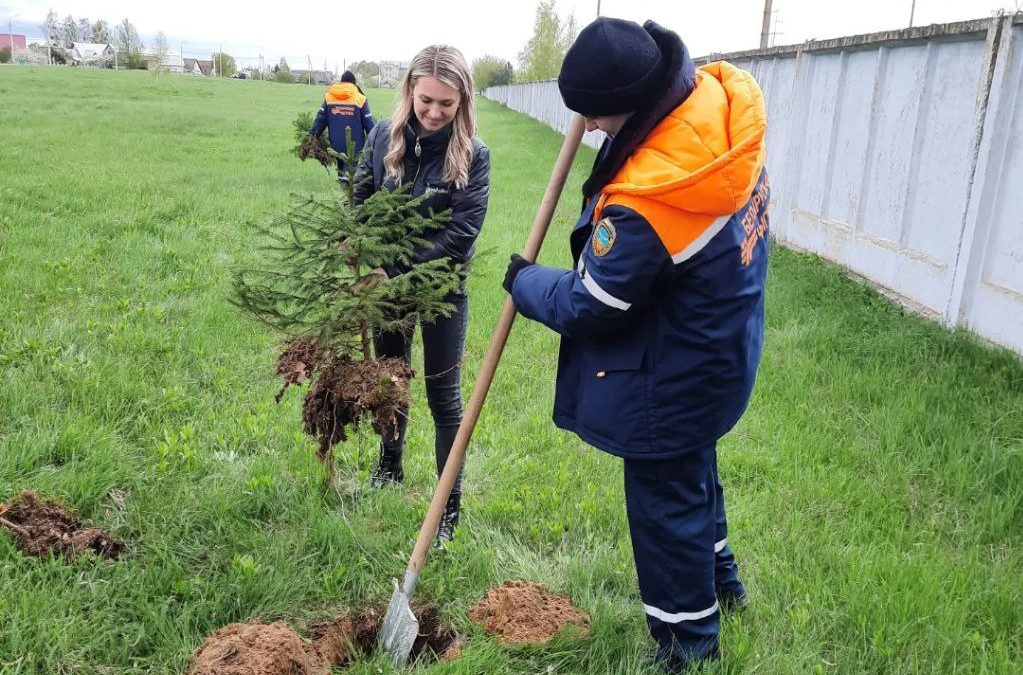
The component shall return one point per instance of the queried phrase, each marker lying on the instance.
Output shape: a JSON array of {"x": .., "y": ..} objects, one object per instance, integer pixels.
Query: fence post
[{"x": 986, "y": 158}]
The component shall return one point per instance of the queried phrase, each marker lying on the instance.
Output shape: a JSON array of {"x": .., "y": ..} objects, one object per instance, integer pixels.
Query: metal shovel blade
[{"x": 400, "y": 628}]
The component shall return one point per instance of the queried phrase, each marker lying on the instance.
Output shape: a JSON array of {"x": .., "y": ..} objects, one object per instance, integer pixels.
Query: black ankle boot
[
  {"x": 388, "y": 471},
  {"x": 449, "y": 521}
]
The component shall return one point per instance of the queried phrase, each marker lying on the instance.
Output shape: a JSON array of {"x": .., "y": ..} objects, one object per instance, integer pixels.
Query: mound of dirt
[
  {"x": 257, "y": 649},
  {"x": 41, "y": 527},
  {"x": 523, "y": 612},
  {"x": 275, "y": 649}
]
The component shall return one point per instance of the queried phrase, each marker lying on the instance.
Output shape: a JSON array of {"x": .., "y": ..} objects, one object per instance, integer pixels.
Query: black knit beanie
[{"x": 614, "y": 66}]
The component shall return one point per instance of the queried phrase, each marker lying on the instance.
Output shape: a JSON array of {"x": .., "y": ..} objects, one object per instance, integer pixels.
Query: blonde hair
[{"x": 447, "y": 65}]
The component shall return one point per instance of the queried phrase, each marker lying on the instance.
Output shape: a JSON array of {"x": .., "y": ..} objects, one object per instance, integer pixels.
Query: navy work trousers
[{"x": 676, "y": 511}]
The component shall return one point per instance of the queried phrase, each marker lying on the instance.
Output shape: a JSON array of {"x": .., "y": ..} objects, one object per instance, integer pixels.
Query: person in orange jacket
[
  {"x": 344, "y": 107},
  {"x": 662, "y": 315}
]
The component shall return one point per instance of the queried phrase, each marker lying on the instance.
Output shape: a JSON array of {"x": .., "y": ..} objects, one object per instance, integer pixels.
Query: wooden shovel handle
[{"x": 486, "y": 375}]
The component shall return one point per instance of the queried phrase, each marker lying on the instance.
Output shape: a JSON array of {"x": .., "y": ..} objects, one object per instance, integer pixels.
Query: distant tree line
[
  {"x": 540, "y": 59},
  {"x": 61, "y": 34}
]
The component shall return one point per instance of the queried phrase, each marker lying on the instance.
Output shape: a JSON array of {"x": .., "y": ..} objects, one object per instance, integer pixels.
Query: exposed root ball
[
  {"x": 346, "y": 391},
  {"x": 297, "y": 362},
  {"x": 315, "y": 148}
]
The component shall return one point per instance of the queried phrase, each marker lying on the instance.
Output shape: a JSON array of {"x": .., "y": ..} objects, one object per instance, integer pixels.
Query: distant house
[
  {"x": 15, "y": 42},
  {"x": 91, "y": 53},
  {"x": 391, "y": 73},
  {"x": 323, "y": 77},
  {"x": 205, "y": 67},
  {"x": 171, "y": 62}
]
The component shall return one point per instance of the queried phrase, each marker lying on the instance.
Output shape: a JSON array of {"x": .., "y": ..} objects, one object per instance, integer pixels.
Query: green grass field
[{"x": 875, "y": 486}]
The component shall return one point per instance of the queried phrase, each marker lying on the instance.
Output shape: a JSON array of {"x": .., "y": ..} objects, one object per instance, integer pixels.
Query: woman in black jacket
[{"x": 431, "y": 142}]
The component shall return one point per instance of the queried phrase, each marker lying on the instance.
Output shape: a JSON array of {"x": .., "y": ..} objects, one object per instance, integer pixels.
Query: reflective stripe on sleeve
[{"x": 597, "y": 292}]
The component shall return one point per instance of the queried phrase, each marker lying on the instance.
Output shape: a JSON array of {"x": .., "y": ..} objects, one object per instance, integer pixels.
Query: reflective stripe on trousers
[{"x": 679, "y": 541}]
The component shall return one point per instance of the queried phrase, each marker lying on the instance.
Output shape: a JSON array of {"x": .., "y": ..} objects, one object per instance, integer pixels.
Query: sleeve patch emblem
[{"x": 604, "y": 236}]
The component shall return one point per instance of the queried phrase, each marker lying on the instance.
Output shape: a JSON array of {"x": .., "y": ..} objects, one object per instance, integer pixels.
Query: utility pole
[
  {"x": 765, "y": 28},
  {"x": 912, "y": 11},
  {"x": 598, "y": 9},
  {"x": 10, "y": 31}
]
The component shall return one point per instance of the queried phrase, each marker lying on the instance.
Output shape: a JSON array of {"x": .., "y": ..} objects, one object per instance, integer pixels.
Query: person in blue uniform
[
  {"x": 345, "y": 108},
  {"x": 662, "y": 317}
]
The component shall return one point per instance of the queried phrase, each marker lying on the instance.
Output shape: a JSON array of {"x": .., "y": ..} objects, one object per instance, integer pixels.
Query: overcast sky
[{"x": 338, "y": 31}]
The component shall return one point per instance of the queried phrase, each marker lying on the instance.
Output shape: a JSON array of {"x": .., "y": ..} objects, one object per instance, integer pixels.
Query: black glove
[{"x": 517, "y": 264}]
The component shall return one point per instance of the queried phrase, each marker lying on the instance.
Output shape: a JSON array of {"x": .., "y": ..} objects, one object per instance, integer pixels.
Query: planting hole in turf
[{"x": 275, "y": 649}]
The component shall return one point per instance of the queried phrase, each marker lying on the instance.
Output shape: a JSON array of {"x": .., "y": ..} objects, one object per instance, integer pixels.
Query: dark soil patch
[
  {"x": 41, "y": 527},
  {"x": 315, "y": 148},
  {"x": 522, "y": 612},
  {"x": 275, "y": 649}
]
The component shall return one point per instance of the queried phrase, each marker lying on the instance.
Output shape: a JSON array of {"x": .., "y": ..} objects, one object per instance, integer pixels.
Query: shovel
[{"x": 401, "y": 628}]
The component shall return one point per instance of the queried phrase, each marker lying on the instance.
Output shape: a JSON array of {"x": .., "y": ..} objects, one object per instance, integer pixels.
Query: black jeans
[{"x": 443, "y": 348}]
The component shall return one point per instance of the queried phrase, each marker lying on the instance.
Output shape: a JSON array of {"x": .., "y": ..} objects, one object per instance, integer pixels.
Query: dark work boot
[
  {"x": 388, "y": 471},
  {"x": 732, "y": 598},
  {"x": 449, "y": 521}
]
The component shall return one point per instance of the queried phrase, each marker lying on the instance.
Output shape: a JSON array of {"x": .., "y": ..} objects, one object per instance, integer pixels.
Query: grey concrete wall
[
  {"x": 541, "y": 101},
  {"x": 897, "y": 155}
]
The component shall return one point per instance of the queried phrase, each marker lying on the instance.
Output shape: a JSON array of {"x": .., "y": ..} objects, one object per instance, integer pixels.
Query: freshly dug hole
[{"x": 275, "y": 649}]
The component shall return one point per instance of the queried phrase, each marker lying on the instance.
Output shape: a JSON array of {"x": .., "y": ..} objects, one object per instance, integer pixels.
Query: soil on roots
[
  {"x": 347, "y": 391},
  {"x": 41, "y": 527},
  {"x": 297, "y": 362},
  {"x": 314, "y": 147},
  {"x": 522, "y": 612},
  {"x": 275, "y": 649}
]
